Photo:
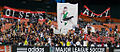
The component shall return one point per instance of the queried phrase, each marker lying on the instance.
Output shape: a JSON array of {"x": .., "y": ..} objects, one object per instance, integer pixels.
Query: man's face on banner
[{"x": 65, "y": 9}]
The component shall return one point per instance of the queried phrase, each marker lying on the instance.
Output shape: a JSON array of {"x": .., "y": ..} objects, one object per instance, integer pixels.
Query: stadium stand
[{"x": 41, "y": 34}]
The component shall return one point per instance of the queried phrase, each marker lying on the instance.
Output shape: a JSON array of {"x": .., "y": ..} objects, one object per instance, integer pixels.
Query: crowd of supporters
[{"x": 42, "y": 34}]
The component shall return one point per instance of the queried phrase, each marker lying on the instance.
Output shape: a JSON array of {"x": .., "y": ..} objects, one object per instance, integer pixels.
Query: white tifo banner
[{"x": 67, "y": 15}]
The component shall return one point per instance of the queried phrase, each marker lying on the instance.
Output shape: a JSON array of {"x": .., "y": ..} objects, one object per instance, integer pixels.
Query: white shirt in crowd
[
  {"x": 32, "y": 31},
  {"x": 85, "y": 43},
  {"x": 105, "y": 45},
  {"x": 63, "y": 44},
  {"x": 19, "y": 43},
  {"x": 2, "y": 18},
  {"x": 92, "y": 29},
  {"x": 118, "y": 45},
  {"x": 92, "y": 45},
  {"x": 99, "y": 45},
  {"x": 49, "y": 40},
  {"x": 41, "y": 34},
  {"x": 1, "y": 39},
  {"x": 56, "y": 45},
  {"x": 80, "y": 31},
  {"x": 78, "y": 43},
  {"x": 52, "y": 26},
  {"x": 74, "y": 34}
]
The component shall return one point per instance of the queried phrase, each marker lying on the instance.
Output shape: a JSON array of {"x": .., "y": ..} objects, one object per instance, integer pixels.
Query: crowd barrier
[{"x": 8, "y": 48}]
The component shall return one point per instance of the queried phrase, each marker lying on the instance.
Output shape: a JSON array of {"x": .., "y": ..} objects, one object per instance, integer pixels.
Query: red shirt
[{"x": 98, "y": 39}]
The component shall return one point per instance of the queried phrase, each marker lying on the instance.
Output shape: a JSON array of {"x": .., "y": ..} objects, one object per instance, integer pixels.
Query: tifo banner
[
  {"x": 17, "y": 14},
  {"x": 30, "y": 49},
  {"x": 87, "y": 12},
  {"x": 67, "y": 15},
  {"x": 5, "y": 48},
  {"x": 79, "y": 49}
]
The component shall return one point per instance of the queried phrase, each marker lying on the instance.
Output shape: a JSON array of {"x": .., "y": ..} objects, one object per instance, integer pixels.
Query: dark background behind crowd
[{"x": 97, "y": 6}]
